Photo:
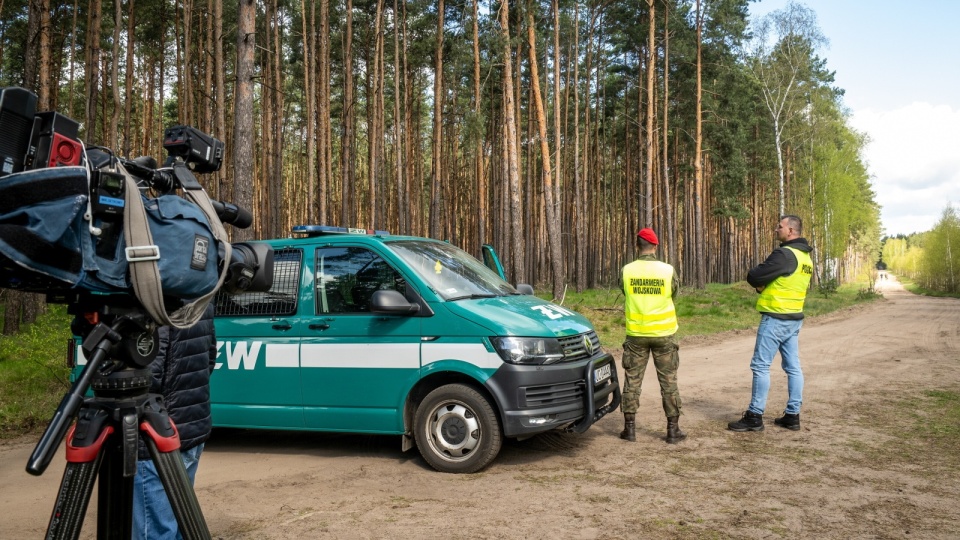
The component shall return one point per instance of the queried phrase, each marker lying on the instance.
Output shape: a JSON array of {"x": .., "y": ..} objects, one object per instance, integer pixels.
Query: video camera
[{"x": 78, "y": 220}]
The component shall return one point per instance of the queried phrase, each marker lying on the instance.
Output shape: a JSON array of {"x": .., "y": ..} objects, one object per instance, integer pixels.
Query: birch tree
[{"x": 780, "y": 54}]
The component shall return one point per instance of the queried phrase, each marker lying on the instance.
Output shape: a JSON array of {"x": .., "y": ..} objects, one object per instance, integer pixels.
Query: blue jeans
[
  {"x": 776, "y": 335},
  {"x": 153, "y": 517}
]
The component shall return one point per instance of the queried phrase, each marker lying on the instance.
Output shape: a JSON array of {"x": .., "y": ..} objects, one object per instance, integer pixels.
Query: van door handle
[
  {"x": 319, "y": 326},
  {"x": 282, "y": 325}
]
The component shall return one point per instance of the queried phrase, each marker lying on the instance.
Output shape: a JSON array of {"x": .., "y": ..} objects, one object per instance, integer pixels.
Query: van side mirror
[
  {"x": 389, "y": 302},
  {"x": 524, "y": 288}
]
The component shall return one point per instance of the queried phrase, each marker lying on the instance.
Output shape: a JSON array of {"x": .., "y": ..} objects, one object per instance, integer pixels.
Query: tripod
[{"x": 103, "y": 442}]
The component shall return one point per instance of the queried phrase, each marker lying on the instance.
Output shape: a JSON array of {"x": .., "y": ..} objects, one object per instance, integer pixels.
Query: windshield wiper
[{"x": 472, "y": 296}]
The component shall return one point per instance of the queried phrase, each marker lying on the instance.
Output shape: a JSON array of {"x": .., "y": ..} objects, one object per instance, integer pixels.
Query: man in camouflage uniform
[{"x": 649, "y": 287}]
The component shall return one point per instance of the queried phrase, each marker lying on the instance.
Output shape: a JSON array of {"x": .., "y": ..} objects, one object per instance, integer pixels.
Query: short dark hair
[
  {"x": 795, "y": 222},
  {"x": 643, "y": 244}
]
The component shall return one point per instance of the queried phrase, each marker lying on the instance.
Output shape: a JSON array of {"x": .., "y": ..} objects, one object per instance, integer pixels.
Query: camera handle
[
  {"x": 102, "y": 338},
  {"x": 142, "y": 253}
]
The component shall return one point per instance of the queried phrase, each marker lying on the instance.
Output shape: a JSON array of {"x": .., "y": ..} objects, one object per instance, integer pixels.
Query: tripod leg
[
  {"x": 115, "y": 496},
  {"x": 85, "y": 451},
  {"x": 165, "y": 453},
  {"x": 180, "y": 492}
]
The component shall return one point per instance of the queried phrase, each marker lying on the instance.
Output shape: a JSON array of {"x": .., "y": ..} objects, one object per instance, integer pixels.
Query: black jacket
[
  {"x": 781, "y": 262},
  {"x": 181, "y": 374}
]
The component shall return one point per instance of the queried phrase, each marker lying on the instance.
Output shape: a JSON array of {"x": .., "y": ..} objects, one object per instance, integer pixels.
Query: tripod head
[{"x": 120, "y": 343}]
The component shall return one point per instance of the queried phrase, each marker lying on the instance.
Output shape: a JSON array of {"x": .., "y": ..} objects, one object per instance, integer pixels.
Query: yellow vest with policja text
[
  {"x": 649, "y": 309},
  {"x": 787, "y": 293}
]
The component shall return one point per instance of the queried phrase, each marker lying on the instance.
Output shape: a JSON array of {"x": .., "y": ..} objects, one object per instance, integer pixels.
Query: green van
[{"x": 367, "y": 332}]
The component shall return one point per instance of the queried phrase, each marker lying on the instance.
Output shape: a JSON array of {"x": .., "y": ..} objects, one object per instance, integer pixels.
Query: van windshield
[{"x": 451, "y": 272}]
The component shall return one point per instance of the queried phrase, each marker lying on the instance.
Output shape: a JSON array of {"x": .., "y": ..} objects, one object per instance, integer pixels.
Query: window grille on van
[
  {"x": 282, "y": 297},
  {"x": 575, "y": 347}
]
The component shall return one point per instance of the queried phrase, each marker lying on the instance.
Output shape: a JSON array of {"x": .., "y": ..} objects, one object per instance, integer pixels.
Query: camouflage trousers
[{"x": 666, "y": 360}]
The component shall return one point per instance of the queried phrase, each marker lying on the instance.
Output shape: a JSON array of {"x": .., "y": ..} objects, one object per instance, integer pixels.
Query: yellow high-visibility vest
[
  {"x": 787, "y": 293},
  {"x": 649, "y": 310}
]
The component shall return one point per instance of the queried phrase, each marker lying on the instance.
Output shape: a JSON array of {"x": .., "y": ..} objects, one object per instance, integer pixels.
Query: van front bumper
[{"x": 534, "y": 399}]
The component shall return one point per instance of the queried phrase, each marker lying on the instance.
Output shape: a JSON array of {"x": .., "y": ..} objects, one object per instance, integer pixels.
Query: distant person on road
[
  {"x": 181, "y": 374},
  {"x": 649, "y": 287},
  {"x": 782, "y": 281}
]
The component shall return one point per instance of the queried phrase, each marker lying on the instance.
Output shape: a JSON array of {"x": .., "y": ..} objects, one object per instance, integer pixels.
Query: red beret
[{"x": 648, "y": 235}]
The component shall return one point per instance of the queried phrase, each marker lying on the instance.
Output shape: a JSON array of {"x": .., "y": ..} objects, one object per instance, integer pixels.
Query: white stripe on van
[
  {"x": 474, "y": 353},
  {"x": 281, "y": 355},
  {"x": 360, "y": 355}
]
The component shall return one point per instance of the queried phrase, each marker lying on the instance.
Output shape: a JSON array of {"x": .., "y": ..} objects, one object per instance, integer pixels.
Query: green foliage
[
  {"x": 940, "y": 264},
  {"x": 931, "y": 260},
  {"x": 827, "y": 287},
  {"x": 33, "y": 373}
]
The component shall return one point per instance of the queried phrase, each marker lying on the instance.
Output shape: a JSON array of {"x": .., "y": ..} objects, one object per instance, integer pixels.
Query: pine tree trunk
[
  {"x": 552, "y": 221},
  {"x": 669, "y": 222},
  {"x": 347, "y": 161},
  {"x": 114, "y": 131},
  {"x": 310, "y": 97},
  {"x": 403, "y": 225},
  {"x": 92, "y": 71},
  {"x": 482, "y": 188},
  {"x": 579, "y": 192},
  {"x": 127, "y": 146},
  {"x": 698, "y": 196},
  {"x": 651, "y": 66},
  {"x": 377, "y": 133},
  {"x": 243, "y": 163},
  {"x": 325, "y": 138},
  {"x": 436, "y": 171},
  {"x": 512, "y": 153}
]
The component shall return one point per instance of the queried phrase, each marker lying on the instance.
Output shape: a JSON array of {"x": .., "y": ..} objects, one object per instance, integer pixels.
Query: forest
[
  {"x": 550, "y": 130},
  {"x": 931, "y": 259}
]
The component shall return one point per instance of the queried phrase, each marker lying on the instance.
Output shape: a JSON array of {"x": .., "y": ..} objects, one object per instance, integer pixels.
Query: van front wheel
[{"x": 457, "y": 430}]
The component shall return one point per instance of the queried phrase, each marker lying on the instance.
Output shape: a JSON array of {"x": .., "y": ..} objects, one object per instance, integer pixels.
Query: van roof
[{"x": 321, "y": 230}]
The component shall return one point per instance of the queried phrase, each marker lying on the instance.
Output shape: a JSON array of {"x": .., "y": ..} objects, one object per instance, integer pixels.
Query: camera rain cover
[{"x": 46, "y": 243}]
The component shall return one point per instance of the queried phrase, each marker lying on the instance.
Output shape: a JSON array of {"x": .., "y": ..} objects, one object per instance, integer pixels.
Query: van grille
[
  {"x": 575, "y": 347},
  {"x": 553, "y": 394}
]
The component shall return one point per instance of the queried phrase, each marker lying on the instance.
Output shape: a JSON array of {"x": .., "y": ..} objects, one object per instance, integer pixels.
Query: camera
[{"x": 77, "y": 219}]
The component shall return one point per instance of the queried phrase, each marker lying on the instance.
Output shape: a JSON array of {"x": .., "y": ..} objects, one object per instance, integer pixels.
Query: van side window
[
  {"x": 348, "y": 276},
  {"x": 280, "y": 300}
]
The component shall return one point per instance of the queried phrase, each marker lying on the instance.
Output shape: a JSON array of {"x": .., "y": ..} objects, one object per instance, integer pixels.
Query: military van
[{"x": 367, "y": 332}]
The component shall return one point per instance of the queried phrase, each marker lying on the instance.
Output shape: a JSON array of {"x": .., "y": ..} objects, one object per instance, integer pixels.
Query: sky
[{"x": 899, "y": 63}]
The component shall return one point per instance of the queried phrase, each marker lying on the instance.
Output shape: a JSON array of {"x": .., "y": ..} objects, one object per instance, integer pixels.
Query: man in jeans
[
  {"x": 782, "y": 281},
  {"x": 181, "y": 374}
]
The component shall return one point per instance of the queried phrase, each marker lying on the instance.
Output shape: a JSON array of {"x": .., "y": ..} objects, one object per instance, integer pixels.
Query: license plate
[{"x": 601, "y": 374}]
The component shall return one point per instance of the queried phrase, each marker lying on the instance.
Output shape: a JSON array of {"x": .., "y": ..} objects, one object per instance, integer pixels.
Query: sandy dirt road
[{"x": 862, "y": 466}]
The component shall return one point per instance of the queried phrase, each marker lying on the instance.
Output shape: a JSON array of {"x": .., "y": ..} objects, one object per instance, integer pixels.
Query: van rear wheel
[{"x": 457, "y": 430}]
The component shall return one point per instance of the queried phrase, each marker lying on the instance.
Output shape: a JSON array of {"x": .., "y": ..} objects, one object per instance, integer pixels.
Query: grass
[
  {"x": 33, "y": 373},
  {"x": 921, "y": 430},
  {"x": 34, "y": 376},
  {"x": 913, "y": 287}
]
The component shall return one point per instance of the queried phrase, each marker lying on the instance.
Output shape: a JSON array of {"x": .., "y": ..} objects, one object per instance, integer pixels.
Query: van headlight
[{"x": 528, "y": 350}]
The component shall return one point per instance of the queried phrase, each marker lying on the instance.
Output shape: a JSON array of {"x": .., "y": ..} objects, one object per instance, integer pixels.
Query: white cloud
[{"x": 914, "y": 158}]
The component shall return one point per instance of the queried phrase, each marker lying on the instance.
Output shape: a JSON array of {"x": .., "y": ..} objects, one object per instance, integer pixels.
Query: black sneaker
[
  {"x": 749, "y": 422},
  {"x": 789, "y": 421}
]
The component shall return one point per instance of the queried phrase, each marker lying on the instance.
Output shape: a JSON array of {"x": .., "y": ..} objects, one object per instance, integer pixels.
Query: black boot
[
  {"x": 789, "y": 421},
  {"x": 749, "y": 422},
  {"x": 674, "y": 435},
  {"x": 629, "y": 432}
]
